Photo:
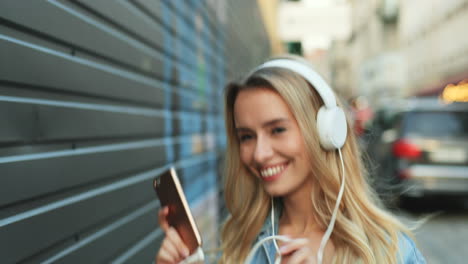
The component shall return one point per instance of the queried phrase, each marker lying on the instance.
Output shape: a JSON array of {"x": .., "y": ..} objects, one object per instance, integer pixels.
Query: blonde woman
[{"x": 295, "y": 187}]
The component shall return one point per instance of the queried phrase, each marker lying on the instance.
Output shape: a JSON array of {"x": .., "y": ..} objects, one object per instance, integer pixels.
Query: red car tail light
[
  {"x": 406, "y": 150},
  {"x": 404, "y": 174}
]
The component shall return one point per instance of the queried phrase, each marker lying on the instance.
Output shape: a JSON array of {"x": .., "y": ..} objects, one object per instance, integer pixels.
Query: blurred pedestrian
[
  {"x": 362, "y": 115},
  {"x": 295, "y": 187}
]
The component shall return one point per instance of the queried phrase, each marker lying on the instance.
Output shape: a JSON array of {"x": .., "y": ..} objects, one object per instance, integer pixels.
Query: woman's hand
[
  {"x": 173, "y": 250},
  {"x": 298, "y": 251}
]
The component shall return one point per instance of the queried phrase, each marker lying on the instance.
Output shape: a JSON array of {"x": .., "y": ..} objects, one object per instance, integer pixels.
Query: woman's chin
[{"x": 275, "y": 192}]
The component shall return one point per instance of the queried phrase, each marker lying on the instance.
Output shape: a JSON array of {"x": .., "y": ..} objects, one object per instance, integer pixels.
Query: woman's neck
[{"x": 298, "y": 214}]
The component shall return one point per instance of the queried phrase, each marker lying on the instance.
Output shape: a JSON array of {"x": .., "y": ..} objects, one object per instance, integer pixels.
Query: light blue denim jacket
[{"x": 266, "y": 254}]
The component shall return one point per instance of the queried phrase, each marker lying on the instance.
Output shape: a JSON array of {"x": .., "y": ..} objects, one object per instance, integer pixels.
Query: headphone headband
[{"x": 307, "y": 73}]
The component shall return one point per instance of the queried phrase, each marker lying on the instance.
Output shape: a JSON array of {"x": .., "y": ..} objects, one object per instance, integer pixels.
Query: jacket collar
[{"x": 269, "y": 249}]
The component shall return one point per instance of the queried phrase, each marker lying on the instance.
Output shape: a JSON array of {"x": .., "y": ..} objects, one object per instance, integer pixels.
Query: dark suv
[{"x": 425, "y": 152}]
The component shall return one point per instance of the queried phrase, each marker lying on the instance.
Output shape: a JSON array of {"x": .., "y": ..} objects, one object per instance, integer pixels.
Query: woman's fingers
[
  {"x": 162, "y": 218},
  {"x": 180, "y": 246},
  {"x": 303, "y": 256},
  {"x": 173, "y": 249},
  {"x": 293, "y": 245},
  {"x": 170, "y": 250},
  {"x": 299, "y": 251},
  {"x": 167, "y": 254}
]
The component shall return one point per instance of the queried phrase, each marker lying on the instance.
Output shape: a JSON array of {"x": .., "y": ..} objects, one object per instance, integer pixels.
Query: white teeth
[{"x": 271, "y": 171}]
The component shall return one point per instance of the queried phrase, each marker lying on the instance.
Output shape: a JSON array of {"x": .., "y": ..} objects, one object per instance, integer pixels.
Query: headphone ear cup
[{"x": 331, "y": 127}]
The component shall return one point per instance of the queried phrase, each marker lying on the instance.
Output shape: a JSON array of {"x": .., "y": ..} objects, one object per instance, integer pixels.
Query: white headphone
[{"x": 331, "y": 120}]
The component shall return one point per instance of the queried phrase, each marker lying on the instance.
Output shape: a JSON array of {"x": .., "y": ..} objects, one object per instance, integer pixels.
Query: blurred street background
[
  {"x": 442, "y": 237},
  {"x": 99, "y": 97}
]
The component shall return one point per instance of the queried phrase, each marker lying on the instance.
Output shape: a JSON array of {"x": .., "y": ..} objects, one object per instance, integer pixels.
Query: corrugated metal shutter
[{"x": 97, "y": 98}]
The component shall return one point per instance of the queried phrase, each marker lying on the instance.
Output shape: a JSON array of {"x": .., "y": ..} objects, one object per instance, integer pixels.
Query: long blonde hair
[{"x": 363, "y": 233}]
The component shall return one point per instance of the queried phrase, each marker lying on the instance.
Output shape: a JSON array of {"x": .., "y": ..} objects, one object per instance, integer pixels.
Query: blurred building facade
[
  {"x": 96, "y": 99},
  {"x": 269, "y": 11},
  {"x": 307, "y": 27},
  {"x": 398, "y": 48},
  {"x": 434, "y": 42},
  {"x": 369, "y": 62}
]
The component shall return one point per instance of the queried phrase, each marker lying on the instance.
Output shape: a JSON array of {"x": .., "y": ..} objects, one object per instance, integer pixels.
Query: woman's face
[{"x": 271, "y": 143}]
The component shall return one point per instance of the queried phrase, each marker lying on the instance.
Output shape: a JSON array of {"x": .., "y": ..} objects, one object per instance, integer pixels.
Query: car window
[{"x": 436, "y": 124}]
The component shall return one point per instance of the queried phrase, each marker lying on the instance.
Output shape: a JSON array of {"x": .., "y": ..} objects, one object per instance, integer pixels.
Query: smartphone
[{"x": 170, "y": 194}]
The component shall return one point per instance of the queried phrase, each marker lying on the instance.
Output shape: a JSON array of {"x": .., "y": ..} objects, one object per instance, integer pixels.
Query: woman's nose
[{"x": 263, "y": 150}]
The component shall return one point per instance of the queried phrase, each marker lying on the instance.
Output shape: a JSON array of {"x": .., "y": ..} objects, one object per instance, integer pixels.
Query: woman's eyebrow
[
  {"x": 242, "y": 129},
  {"x": 265, "y": 124},
  {"x": 275, "y": 121}
]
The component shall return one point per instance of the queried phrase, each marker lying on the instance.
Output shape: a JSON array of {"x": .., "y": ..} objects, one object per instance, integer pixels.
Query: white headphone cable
[
  {"x": 278, "y": 259},
  {"x": 273, "y": 222},
  {"x": 331, "y": 225}
]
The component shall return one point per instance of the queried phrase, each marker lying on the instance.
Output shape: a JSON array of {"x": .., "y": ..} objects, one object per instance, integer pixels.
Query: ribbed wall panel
[{"x": 96, "y": 99}]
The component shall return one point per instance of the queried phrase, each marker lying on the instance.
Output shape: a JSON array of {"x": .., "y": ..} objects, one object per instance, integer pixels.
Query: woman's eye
[
  {"x": 278, "y": 130},
  {"x": 244, "y": 138}
]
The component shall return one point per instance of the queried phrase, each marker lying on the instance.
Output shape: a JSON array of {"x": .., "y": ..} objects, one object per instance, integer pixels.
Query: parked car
[{"x": 422, "y": 151}]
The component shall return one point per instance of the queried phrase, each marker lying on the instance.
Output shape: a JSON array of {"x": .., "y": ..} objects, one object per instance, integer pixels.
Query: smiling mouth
[{"x": 272, "y": 171}]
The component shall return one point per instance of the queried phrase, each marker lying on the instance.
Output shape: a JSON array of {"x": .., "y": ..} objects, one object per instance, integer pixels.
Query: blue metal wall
[{"x": 97, "y": 98}]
